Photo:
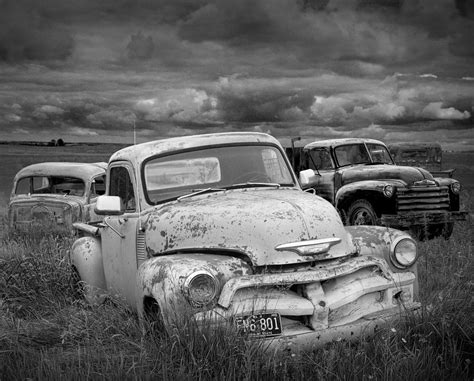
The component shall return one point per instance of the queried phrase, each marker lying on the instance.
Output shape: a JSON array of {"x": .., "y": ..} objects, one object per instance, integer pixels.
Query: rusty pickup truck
[
  {"x": 217, "y": 228},
  {"x": 54, "y": 195},
  {"x": 360, "y": 178},
  {"x": 425, "y": 155}
]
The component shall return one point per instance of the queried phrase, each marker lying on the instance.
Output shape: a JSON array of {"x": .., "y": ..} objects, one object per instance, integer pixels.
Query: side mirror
[
  {"x": 307, "y": 177},
  {"x": 108, "y": 205}
]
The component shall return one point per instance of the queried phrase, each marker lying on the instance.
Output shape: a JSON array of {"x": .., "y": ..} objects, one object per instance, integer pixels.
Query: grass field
[{"x": 48, "y": 333}]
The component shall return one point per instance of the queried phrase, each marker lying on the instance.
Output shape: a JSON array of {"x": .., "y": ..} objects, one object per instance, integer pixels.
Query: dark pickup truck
[{"x": 360, "y": 178}]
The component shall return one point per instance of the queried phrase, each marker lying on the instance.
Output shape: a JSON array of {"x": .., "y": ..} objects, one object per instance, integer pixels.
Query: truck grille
[
  {"x": 330, "y": 296},
  {"x": 422, "y": 199}
]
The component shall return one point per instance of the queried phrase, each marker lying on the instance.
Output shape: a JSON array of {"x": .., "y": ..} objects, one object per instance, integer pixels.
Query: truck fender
[
  {"x": 361, "y": 189},
  {"x": 162, "y": 280},
  {"x": 86, "y": 258},
  {"x": 376, "y": 241}
]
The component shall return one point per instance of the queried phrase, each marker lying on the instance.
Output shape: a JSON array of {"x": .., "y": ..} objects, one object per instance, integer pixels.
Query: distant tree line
[{"x": 56, "y": 143}]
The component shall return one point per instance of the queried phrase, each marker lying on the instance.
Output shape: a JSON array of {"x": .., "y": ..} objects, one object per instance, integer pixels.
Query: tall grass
[{"x": 46, "y": 332}]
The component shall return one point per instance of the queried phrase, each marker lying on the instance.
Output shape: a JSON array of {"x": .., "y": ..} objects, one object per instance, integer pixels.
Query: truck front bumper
[
  {"x": 301, "y": 339},
  {"x": 406, "y": 220}
]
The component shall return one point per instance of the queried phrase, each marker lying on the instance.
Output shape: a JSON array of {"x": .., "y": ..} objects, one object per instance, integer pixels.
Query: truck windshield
[
  {"x": 379, "y": 154},
  {"x": 169, "y": 177},
  {"x": 350, "y": 154}
]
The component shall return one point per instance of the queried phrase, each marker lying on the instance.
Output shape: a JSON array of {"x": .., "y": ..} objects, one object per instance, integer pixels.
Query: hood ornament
[
  {"x": 425, "y": 182},
  {"x": 310, "y": 247}
]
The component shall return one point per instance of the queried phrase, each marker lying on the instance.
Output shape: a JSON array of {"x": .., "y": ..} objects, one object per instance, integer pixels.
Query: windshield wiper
[
  {"x": 253, "y": 184},
  {"x": 196, "y": 192}
]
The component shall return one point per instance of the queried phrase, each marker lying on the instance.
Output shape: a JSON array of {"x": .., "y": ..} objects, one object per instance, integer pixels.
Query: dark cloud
[
  {"x": 321, "y": 68},
  {"x": 26, "y": 35}
]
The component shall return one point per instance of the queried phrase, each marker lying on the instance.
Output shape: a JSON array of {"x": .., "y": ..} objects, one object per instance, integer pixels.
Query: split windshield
[
  {"x": 219, "y": 168},
  {"x": 362, "y": 154}
]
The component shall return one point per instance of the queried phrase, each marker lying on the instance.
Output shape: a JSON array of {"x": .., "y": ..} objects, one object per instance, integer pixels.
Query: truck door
[
  {"x": 119, "y": 236},
  {"x": 320, "y": 159}
]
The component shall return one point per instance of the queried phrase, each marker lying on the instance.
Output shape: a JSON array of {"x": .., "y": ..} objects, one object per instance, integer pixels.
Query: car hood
[
  {"x": 247, "y": 222},
  {"x": 408, "y": 175},
  {"x": 57, "y": 210}
]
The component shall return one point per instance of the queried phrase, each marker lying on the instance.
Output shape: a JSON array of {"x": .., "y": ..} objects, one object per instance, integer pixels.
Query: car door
[{"x": 119, "y": 235}]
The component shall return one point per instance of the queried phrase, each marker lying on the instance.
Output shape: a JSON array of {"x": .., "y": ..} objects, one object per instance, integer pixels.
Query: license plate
[{"x": 259, "y": 324}]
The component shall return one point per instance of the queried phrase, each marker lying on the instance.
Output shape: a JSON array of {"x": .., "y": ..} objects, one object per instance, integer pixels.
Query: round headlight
[
  {"x": 403, "y": 253},
  {"x": 455, "y": 187},
  {"x": 388, "y": 190},
  {"x": 201, "y": 288}
]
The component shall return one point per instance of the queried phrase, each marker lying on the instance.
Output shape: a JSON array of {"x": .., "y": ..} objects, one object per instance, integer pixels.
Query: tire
[
  {"x": 361, "y": 212},
  {"x": 77, "y": 286},
  {"x": 153, "y": 318}
]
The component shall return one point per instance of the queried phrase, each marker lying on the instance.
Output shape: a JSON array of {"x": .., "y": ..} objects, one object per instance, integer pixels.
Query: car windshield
[
  {"x": 172, "y": 176},
  {"x": 71, "y": 186}
]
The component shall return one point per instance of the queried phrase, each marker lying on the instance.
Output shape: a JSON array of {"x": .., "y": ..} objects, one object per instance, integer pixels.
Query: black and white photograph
[{"x": 236, "y": 189}]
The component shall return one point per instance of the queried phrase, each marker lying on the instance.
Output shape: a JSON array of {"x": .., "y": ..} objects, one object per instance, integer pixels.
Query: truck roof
[
  {"x": 83, "y": 171},
  {"x": 339, "y": 142},
  {"x": 140, "y": 152}
]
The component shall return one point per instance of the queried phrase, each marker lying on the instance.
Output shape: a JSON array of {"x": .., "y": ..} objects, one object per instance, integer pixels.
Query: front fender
[
  {"x": 86, "y": 257},
  {"x": 366, "y": 189},
  {"x": 163, "y": 279},
  {"x": 377, "y": 241}
]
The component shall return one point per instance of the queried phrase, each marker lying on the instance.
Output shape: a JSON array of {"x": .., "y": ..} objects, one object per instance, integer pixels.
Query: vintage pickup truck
[
  {"x": 216, "y": 227},
  {"x": 55, "y": 194},
  {"x": 360, "y": 178},
  {"x": 425, "y": 155}
]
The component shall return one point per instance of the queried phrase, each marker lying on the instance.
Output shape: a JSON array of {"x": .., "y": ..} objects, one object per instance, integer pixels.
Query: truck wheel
[
  {"x": 361, "y": 212},
  {"x": 153, "y": 317},
  {"x": 77, "y": 286}
]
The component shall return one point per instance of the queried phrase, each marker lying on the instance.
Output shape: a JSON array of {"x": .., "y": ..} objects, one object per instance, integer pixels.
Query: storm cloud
[{"x": 313, "y": 68}]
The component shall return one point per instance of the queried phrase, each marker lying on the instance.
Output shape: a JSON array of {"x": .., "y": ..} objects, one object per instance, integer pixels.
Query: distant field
[{"x": 13, "y": 157}]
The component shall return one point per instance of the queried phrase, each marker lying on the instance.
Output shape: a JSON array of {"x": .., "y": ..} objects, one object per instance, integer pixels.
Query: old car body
[
  {"x": 217, "y": 228},
  {"x": 55, "y": 194},
  {"x": 360, "y": 178},
  {"x": 425, "y": 155}
]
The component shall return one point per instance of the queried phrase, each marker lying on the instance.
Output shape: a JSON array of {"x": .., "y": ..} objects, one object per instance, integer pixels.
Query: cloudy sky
[{"x": 88, "y": 70}]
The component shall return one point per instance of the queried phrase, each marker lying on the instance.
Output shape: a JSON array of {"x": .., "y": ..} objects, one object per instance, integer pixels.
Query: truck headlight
[
  {"x": 455, "y": 187},
  {"x": 201, "y": 288},
  {"x": 388, "y": 190},
  {"x": 403, "y": 252}
]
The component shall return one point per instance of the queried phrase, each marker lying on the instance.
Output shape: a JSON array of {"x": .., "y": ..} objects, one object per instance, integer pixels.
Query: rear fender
[{"x": 86, "y": 257}]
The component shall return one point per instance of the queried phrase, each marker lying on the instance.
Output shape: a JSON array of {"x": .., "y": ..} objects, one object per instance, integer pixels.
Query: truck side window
[{"x": 121, "y": 185}]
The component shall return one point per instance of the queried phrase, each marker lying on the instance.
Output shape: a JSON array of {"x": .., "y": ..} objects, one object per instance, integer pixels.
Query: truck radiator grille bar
[{"x": 423, "y": 199}]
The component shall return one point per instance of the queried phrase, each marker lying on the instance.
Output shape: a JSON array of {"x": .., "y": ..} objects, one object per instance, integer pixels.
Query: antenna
[{"x": 134, "y": 133}]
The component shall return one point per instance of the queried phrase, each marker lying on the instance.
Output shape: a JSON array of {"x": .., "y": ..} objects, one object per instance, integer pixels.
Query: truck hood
[
  {"x": 248, "y": 222},
  {"x": 408, "y": 175}
]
